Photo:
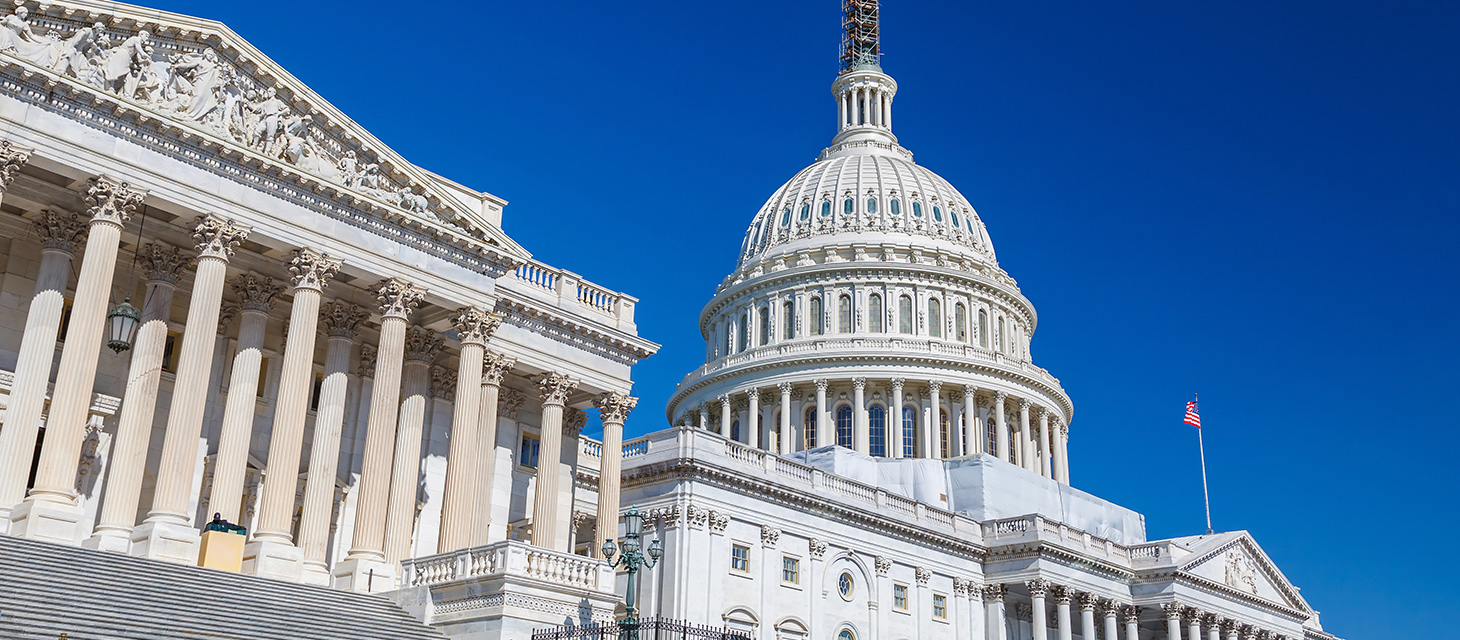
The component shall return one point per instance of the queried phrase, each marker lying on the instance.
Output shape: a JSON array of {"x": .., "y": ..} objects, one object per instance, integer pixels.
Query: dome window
[
  {"x": 917, "y": 209},
  {"x": 805, "y": 212},
  {"x": 874, "y": 312},
  {"x": 871, "y": 205},
  {"x": 847, "y": 205},
  {"x": 960, "y": 322},
  {"x": 909, "y": 431},
  {"x": 826, "y": 209},
  {"x": 786, "y": 217},
  {"x": 816, "y": 320},
  {"x": 877, "y": 430},
  {"x": 844, "y": 314},
  {"x": 789, "y": 311},
  {"x": 844, "y": 426},
  {"x": 895, "y": 207},
  {"x": 904, "y": 314},
  {"x": 935, "y": 318},
  {"x": 810, "y": 429},
  {"x": 955, "y": 218},
  {"x": 937, "y": 214}
]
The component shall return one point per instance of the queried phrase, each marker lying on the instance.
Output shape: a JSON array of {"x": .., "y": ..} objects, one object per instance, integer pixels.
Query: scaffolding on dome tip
[{"x": 860, "y": 45}]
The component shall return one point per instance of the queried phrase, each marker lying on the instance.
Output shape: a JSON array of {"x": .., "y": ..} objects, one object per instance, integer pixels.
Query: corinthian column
[
  {"x": 421, "y": 349},
  {"x": 256, "y": 296},
  {"x": 783, "y": 439},
  {"x": 59, "y": 233},
  {"x": 895, "y": 448},
  {"x": 1173, "y": 620},
  {"x": 474, "y": 327},
  {"x": 933, "y": 430},
  {"x": 51, "y": 512},
  {"x": 167, "y": 532},
  {"x": 554, "y": 388},
  {"x": 1025, "y": 441},
  {"x": 1062, "y": 450},
  {"x": 825, "y": 430},
  {"x": 1037, "y": 590},
  {"x": 613, "y": 409},
  {"x": 725, "y": 415},
  {"x": 861, "y": 439},
  {"x": 339, "y": 321},
  {"x": 139, "y": 402},
  {"x": 272, "y": 552},
  {"x": 1002, "y": 437},
  {"x": 974, "y": 441},
  {"x": 363, "y": 568},
  {"x": 495, "y": 366},
  {"x": 752, "y": 418},
  {"x": 1062, "y": 597},
  {"x": 1046, "y": 467}
]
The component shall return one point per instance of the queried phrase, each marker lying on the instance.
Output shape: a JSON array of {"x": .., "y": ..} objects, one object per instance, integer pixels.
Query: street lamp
[{"x": 631, "y": 560}]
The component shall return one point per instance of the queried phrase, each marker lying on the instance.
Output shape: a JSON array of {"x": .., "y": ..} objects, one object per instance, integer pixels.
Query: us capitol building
[{"x": 220, "y": 295}]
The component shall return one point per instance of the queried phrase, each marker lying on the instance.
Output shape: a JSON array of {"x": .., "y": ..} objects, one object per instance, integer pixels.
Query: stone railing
[
  {"x": 508, "y": 558},
  {"x": 1037, "y": 528},
  {"x": 568, "y": 290}
]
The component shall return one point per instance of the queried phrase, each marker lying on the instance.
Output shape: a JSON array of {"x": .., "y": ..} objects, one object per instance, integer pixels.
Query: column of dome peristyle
[
  {"x": 339, "y": 321},
  {"x": 272, "y": 552},
  {"x": 168, "y": 533},
  {"x": 51, "y": 512},
  {"x": 60, "y": 233},
  {"x": 256, "y": 295},
  {"x": 869, "y": 93},
  {"x": 365, "y": 568},
  {"x": 554, "y": 388},
  {"x": 474, "y": 326},
  {"x": 134, "y": 427},
  {"x": 613, "y": 409}
]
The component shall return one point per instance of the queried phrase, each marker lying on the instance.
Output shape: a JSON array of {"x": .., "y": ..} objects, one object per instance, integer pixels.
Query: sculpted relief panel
[{"x": 194, "y": 84}]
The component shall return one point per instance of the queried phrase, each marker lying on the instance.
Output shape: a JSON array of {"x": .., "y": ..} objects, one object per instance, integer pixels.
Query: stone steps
[{"x": 47, "y": 590}]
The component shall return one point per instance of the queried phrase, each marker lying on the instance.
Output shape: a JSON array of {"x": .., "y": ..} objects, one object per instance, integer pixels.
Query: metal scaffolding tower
[{"x": 860, "y": 46}]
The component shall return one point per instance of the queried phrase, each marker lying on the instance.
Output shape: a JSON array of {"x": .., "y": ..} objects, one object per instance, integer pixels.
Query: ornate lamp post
[{"x": 631, "y": 560}]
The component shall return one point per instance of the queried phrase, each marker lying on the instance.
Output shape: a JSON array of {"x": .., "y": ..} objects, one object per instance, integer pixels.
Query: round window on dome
[
  {"x": 871, "y": 205},
  {"x": 917, "y": 209},
  {"x": 786, "y": 217},
  {"x": 847, "y": 205},
  {"x": 805, "y": 212},
  {"x": 826, "y": 209},
  {"x": 895, "y": 207},
  {"x": 937, "y": 214}
]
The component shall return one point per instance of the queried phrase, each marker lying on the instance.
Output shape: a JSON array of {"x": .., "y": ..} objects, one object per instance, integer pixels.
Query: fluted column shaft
[
  {"x": 55, "y": 479},
  {"x": 554, "y": 388},
  {"x": 999, "y": 423},
  {"x": 139, "y": 405},
  {"x": 494, "y": 369},
  {"x": 1062, "y": 450},
  {"x": 933, "y": 443},
  {"x": 1087, "y": 617},
  {"x": 170, "y": 497},
  {"x": 898, "y": 435},
  {"x": 1041, "y": 614},
  {"x": 324, "y": 452},
  {"x": 1132, "y": 628},
  {"x": 1046, "y": 464},
  {"x": 752, "y": 419},
  {"x": 231, "y": 461},
  {"x": 33, "y": 369},
  {"x": 406, "y": 468},
  {"x": 474, "y": 327},
  {"x": 613, "y": 409},
  {"x": 1062, "y": 616},
  {"x": 725, "y": 416},
  {"x": 397, "y": 299},
  {"x": 783, "y": 440},
  {"x": 955, "y": 428},
  {"x": 1112, "y": 628},
  {"x": 825, "y": 431},
  {"x": 861, "y": 437},
  {"x": 1173, "y": 624},
  {"x": 1025, "y": 442},
  {"x": 704, "y": 417},
  {"x": 974, "y": 437}
]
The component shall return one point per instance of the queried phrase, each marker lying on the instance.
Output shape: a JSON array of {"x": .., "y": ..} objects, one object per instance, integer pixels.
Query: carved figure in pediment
[
  {"x": 370, "y": 181},
  {"x": 349, "y": 169},
  {"x": 410, "y": 200},
  {"x": 126, "y": 62},
  {"x": 202, "y": 77},
  {"x": 78, "y": 52},
  {"x": 17, "y": 37},
  {"x": 269, "y": 111},
  {"x": 1241, "y": 572}
]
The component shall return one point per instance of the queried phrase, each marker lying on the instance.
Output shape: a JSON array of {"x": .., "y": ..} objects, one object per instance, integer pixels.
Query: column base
[
  {"x": 275, "y": 559},
  {"x": 315, "y": 574},
  {"x": 113, "y": 540},
  {"x": 48, "y": 521},
  {"x": 166, "y": 541},
  {"x": 364, "y": 575}
]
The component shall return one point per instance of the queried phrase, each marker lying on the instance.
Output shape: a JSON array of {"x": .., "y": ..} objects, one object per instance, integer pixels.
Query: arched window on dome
[
  {"x": 1013, "y": 442},
  {"x": 773, "y": 434},
  {"x": 735, "y": 430},
  {"x": 877, "y": 430},
  {"x": 765, "y": 326},
  {"x": 786, "y": 217},
  {"x": 744, "y": 332},
  {"x": 826, "y": 209},
  {"x": 788, "y": 311},
  {"x": 816, "y": 320},
  {"x": 917, "y": 209},
  {"x": 844, "y": 426},
  {"x": 904, "y": 314},
  {"x": 937, "y": 214},
  {"x": 909, "y": 431},
  {"x": 809, "y": 429},
  {"x": 844, "y": 314},
  {"x": 805, "y": 212},
  {"x": 895, "y": 207},
  {"x": 874, "y": 313},
  {"x": 960, "y": 322},
  {"x": 983, "y": 328},
  {"x": 935, "y": 318},
  {"x": 848, "y": 206},
  {"x": 871, "y": 205},
  {"x": 991, "y": 428},
  {"x": 999, "y": 336}
]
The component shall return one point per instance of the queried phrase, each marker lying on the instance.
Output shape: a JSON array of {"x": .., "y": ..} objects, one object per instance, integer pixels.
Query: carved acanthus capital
[
  {"x": 769, "y": 535},
  {"x": 1000, "y": 397},
  {"x": 697, "y": 517},
  {"x": 1088, "y": 601},
  {"x": 797, "y": 393},
  {"x": 422, "y": 345},
  {"x": 1192, "y": 615},
  {"x": 256, "y": 292},
  {"x": 1109, "y": 608},
  {"x": 821, "y": 384},
  {"x": 985, "y": 402},
  {"x": 443, "y": 383},
  {"x": 225, "y": 316},
  {"x": 753, "y": 394},
  {"x": 614, "y": 407},
  {"x": 495, "y": 366},
  {"x": 817, "y": 548},
  {"x": 970, "y": 392},
  {"x": 897, "y": 384},
  {"x": 111, "y": 200},
  {"x": 785, "y": 389},
  {"x": 12, "y": 159},
  {"x": 670, "y": 517},
  {"x": 573, "y": 422},
  {"x": 935, "y": 386},
  {"x": 60, "y": 231},
  {"x": 476, "y": 325},
  {"x": 1172, "y": 610},
  {"x": 555, "y": 387},
  {"x": 955, "y": 396},
  {"x": 217, "y": 236},
  {"x": 163, "y": 264},
  {"x": 923, "y": 575},
  {"x": 510, "y": 402},
  {"x": 994, "y": 592},
  {"x": 1038, "y": 587},
  {"x": 397, "y": 297},
  {"x": 312, "y": 269},
  {"x": 1130, "y": 613},
  {"x": 1024, "y": 404},
  {"x": 884, "y": 564},
  {"x": 1230, "y": 626},
  {"x": 859, "y": 383},
  {"x": 1064, "y": 430},
  {"x": 341, "y": 319},
  {"x": 718, "y": 521},
  {"x": 1062, "y": 594}
]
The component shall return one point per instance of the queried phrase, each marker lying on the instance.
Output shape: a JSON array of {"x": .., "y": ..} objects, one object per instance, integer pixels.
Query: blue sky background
[{"x": 1253, "y": 200}]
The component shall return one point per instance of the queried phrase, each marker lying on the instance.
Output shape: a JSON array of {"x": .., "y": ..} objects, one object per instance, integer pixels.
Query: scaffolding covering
[{"x": 860, "y": 45}]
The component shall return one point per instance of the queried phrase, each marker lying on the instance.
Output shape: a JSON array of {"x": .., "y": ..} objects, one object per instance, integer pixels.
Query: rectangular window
[
  {"x": 527, "y": 456},
  {"x": 170, "y": 352},
  {"x": 899, "y": 597},
  {"x": 790, "y": 570},
  {"x": 65, "y": 322},
  {"x": 314, "y": 393},
  {"x": 740, "y": 558},
  {"x": 263, "y": 376},
  {"x": 940, "y": 607}
]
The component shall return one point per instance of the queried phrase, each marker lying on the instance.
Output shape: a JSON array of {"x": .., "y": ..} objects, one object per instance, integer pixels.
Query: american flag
[{"x": 1191, "y": 417}]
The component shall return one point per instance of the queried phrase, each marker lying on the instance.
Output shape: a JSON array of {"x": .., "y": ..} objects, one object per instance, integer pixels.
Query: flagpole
[{"x": 1206, "y": 497}]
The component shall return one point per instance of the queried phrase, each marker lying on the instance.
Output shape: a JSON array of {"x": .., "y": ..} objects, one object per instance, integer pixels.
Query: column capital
[
  {"x": 923, "y": 575},
  {"x": 256, "y": 292},
  {"x": 1039, "y": 412},
  {"x": 994, "y": 592},
  {"x": 1038, "y": 587},
  {"x": 1088, "y": 601},
  {"x": 443, "y": 383},
  {"x": 884, "y": 564},
  {"x": 769, "y": 535},
  {"x": 1192, "y": 615},
  {"x": 1172, "y": 610},
  {"x": 753, "y": 393},
  {"x": 510, "y": 402},
  {"x": 367, "y": 361},
  {"x": 475, "y": 325},
  {"x": 1212, "y": 620},
  {"x": 1064, "y": 430},
  {"x": 555, "y": 387},
  {"x": 984, "y": 402},
  {"x": 12, "y": 158},
  {"x": 859, "y": 383},
  {"x": 573, "y": 422},
  {"x": 1000, "y": 396},
  {"x": 217, "y": 236},
  {"x": 312, "y": 269},
  {"x": 1109, "y": 608},
  {"x": 422, "y": 345},
  {"x": 970, "y": 391},
  {"x": 59, "y": 230},
  {"x": 821, "y": 384},
  {"x": 935, "y": 386},
  {"x": 614, "y": 407},
  {"x": 340, "y": 319},
  {"x": 1062, "y": 594},
  {"x": 1024, "y": 404},
  {"x": 1130, "y": 613},
  {"x": 162, "y": 263},
  {"x": 111, "y": 200},
  {"x": 1230, "y": 626},
  {"x": 495, "y": 366},
  {"x": 897, "y": 383},
  {"x": 397, "y": 297},
  {"x": 785, "y": 389}
]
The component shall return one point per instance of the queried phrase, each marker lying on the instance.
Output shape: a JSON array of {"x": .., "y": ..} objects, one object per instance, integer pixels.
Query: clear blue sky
[{"x": 1253, "y": 200}]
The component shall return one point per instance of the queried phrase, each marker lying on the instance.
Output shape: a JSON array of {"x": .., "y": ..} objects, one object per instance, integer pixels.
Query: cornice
[{"x": 526, "y": 313}]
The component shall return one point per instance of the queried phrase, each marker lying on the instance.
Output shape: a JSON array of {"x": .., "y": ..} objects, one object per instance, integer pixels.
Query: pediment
[
  {"x": 1240, "y": 564},
  {"x": 207, "y": 80}
]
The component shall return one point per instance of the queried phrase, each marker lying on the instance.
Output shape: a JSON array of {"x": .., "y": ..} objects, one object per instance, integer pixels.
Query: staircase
[{"x": 48, "y": 589}]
